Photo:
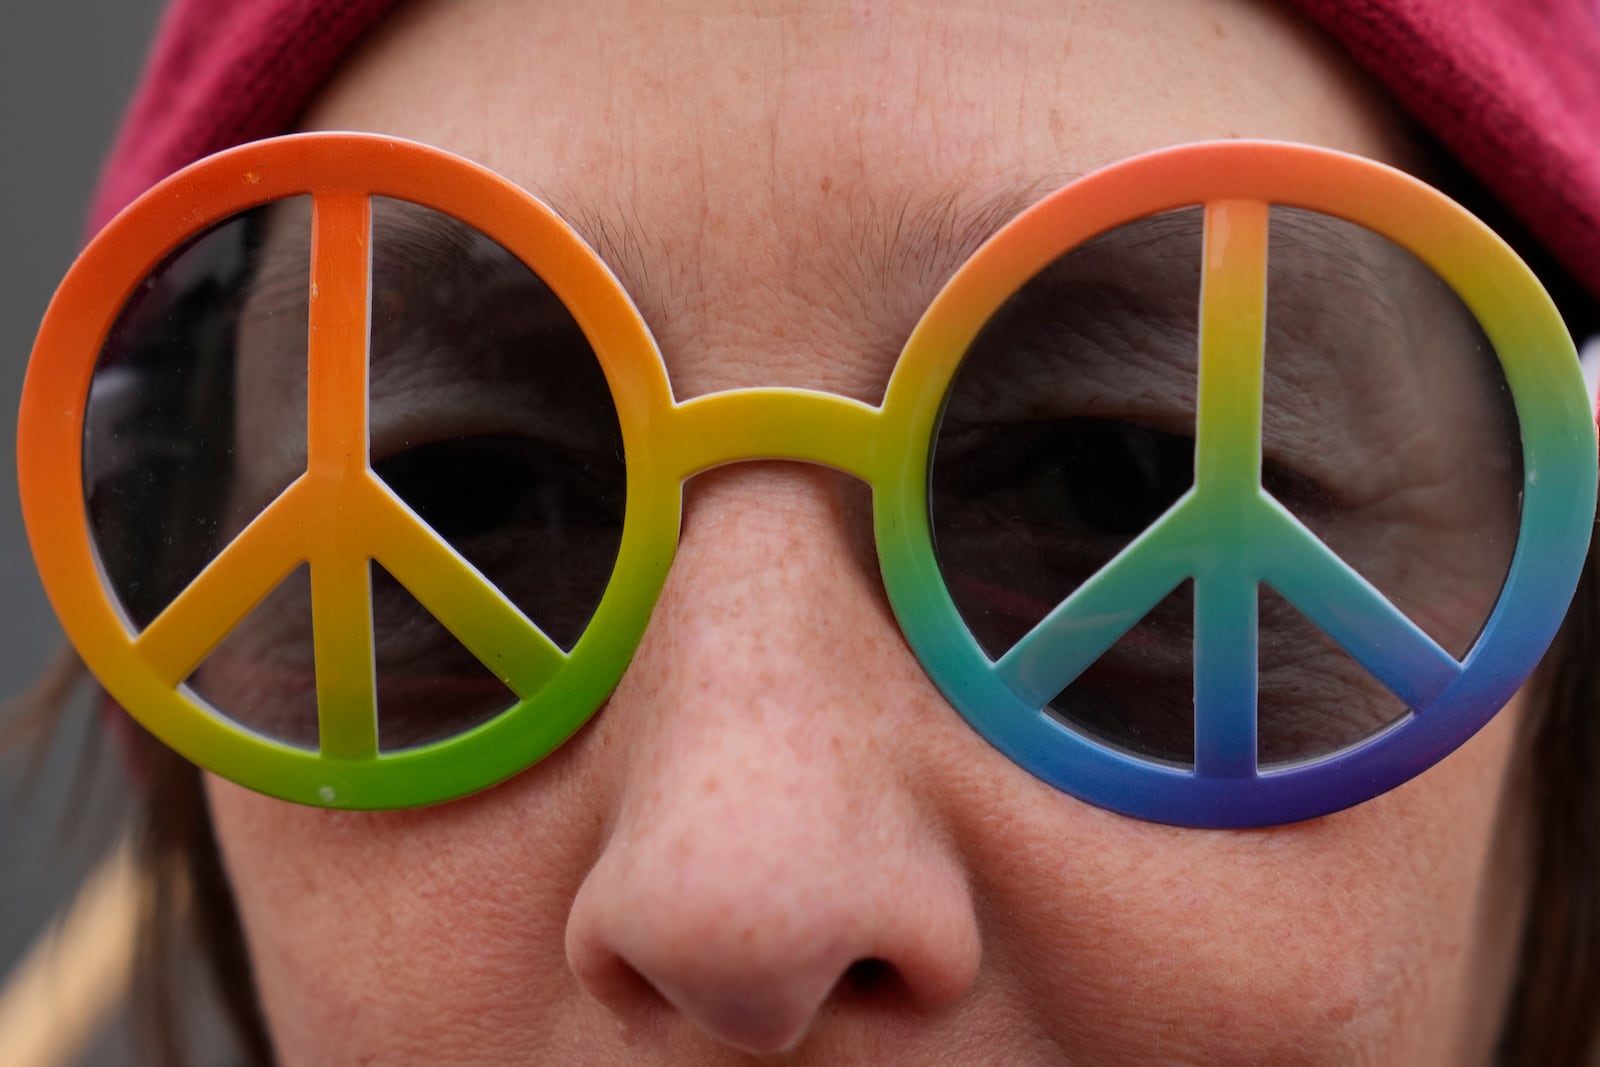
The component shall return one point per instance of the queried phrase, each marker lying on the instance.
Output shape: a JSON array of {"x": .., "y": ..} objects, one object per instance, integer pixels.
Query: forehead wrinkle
[
  {"x": 413, "y": 235},
  {"x": 854, "y": 262},
  {"x": 409, "y": 235},
  {"x": 1333, "y": 251}
]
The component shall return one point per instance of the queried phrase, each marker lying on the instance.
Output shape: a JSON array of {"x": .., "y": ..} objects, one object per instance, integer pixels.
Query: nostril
[
  {"x": 870, "y": 976},
  {"x": 877, "y": 985}
]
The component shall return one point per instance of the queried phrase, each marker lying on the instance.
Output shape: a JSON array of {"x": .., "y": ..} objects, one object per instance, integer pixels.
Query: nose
[{"x": 770, "y": 854}]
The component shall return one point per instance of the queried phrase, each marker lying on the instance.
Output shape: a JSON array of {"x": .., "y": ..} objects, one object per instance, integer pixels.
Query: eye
[
  {"x": 1083, "y": 476},
  {"x": 480, "y": 486},
  {"x": 540, "y": 521}
]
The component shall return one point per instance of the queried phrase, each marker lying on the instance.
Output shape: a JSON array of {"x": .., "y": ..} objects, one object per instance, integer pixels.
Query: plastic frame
[{"x": 1227, "y": 533}]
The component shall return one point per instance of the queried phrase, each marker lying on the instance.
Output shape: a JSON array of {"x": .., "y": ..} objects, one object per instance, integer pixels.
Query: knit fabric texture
[
  {"x": 1510, "y": 87},
  {"x": 223, "y": 72}
]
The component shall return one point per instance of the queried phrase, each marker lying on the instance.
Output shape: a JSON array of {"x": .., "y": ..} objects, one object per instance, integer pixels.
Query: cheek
[
  {"x": 370, "y": 931},
  {"x": 1380, "y": 934}
]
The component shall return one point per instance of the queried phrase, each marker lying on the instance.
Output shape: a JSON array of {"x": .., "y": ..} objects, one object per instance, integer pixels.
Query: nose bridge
[
  {"x": 763, "y": 844},
  {"x": 767, "y": 592},
  {"x": 781, "y": 424}
]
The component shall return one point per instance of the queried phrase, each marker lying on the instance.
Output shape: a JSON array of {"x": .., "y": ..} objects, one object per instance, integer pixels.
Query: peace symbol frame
[{"x": 1227, "y": 533}]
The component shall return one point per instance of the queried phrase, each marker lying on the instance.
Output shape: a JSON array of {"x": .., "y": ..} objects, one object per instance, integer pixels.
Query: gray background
[{"x": 66, "y": 67}]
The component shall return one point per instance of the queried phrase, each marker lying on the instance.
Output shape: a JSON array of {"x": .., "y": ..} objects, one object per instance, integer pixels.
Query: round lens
[
  {"x": 173, "y": 467},
  {"x": 1069, "y": 430},
  {"x": 1351, "y": 524},
  {"x": 1389, "y": 431},
  {"x": 348, "y": 414},
  {"x": 492, "y": 420},
  {"x": 489, "y": 417}
]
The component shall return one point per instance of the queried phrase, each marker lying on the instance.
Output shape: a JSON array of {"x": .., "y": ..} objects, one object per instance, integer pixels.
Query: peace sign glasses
[{"x": 1230, "y": 485}]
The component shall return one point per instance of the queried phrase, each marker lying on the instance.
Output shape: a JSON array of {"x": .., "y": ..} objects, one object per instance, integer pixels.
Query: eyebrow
[
  {"x": 414, "y": 237},
  {"x": 899, "y": 250},
  {"x": 1327, "y": 250},
  {"x": 896, "y": 249}
]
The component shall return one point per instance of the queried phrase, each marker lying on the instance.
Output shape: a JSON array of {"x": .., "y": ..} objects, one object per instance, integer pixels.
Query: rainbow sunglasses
[{"x": 1227, "y": 533}]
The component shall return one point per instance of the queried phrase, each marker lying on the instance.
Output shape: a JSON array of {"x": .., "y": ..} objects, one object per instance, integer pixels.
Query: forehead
[
  {"x": 799, "y": 179},
  {"x": 849, "y": 90}
]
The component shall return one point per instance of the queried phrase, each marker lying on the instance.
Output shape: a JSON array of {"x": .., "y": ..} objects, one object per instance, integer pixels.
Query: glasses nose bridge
[{"x": 803, "y": 425}]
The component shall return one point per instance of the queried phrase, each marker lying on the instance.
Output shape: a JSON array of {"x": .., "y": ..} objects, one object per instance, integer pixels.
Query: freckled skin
[{"x": 775, "y": 794}]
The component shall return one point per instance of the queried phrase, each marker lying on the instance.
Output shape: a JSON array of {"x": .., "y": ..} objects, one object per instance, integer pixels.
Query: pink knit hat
[{"x": 1510, "y": 87}]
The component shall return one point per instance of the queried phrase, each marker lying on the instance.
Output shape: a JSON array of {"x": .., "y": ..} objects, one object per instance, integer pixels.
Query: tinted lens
[
  {"x": 492, "y": 419},
  {"x": 1388, "y": 429},
  {"x": 1069, "y": 429},
  {"x": 166, "y": 468},
  {"x": 489, "y": 416},
  {"x": 160, "y": 425}
]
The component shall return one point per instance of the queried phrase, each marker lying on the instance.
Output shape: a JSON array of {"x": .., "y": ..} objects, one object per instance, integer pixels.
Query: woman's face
[{"x": 777, "y": 840}]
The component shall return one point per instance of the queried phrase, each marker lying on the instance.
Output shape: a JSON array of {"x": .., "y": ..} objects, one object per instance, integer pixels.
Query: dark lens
[
  {"x": 162, "y": 424},
  {"x": 178, "y": 461},
  {"x": 1390, "y": 433},
  {"x": 1387, "y": 429},
  {"x": 493, "y": 421},
  {"x": 490, "y": 417},
  {"x": 263, "y": 674},
  {"x": 1067, "y": 431}
]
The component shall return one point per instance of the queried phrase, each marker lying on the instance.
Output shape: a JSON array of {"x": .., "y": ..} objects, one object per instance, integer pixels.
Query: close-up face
[{"x": 777, "y": 840}]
